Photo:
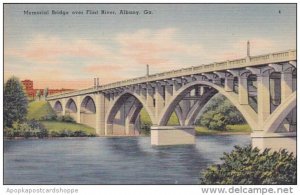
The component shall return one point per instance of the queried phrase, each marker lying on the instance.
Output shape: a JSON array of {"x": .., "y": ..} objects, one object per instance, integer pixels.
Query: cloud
[
  {"x": 51, "y": 60},
  {"x": 51, "y": 50},
  {"x": 159, "y": 48}
]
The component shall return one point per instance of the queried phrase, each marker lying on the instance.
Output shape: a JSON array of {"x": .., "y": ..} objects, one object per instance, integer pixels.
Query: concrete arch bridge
[{"x": 262, "y": 88}]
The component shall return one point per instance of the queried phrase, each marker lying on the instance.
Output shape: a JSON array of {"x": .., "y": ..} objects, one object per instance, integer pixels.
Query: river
[{"x": 112, "y": 160}]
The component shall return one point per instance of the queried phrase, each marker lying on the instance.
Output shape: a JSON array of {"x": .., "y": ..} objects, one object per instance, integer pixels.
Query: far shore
[{"x": 115, "y": 136}]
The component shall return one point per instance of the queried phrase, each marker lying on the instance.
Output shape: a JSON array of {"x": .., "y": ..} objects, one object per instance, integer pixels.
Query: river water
[{"x": 112, "y": 160}]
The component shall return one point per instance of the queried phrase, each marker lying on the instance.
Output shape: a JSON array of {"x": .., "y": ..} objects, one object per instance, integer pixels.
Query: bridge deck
[{"x": 277, "y": 57}]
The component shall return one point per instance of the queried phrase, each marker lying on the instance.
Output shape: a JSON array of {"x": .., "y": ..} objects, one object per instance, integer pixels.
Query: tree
[
  {"x": 38, "y": 94},
  {"x": 220, "y": 112},
  {"x": 250, "y": 166},
  {"x": 46, "y": 91},
  {"x": 15, "y": 102}
]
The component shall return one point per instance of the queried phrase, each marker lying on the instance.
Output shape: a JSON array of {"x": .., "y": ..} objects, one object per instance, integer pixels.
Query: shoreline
[{"x": 119, "y": 136}]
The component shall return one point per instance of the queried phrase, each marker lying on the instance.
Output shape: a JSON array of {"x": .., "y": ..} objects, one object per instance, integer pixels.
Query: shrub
[
  {"x": 79, "y": 133},
  {"x": 8, "y": 132},
  {"x": 245, "y": 165},
  {"x": 54, "y": 134},
  {"x": 66, "y": 118},
  {"x": 64, "y": 133},
  {"x": 218, "y": 113},
  {"x": 49, "y": 117},
  {"x": 69, "y": 133},
  {"x": 53, "y": 117},
  {"x": 38, "y": 129},
  {"x": 145, "y": 128},
  {"x": 27, "y": 129}
]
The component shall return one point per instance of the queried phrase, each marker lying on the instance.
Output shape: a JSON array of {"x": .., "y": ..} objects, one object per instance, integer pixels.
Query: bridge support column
[
  {"x": 286, "y": 85},
  {"x": 229, "y": 84},
  {"x": 172, "y": 135},
  {"x": 176, "y": 86},
  {"x": 159, "y": 99},
  {"x": 168, "y": 93},
  {"x": 150, "y": 100},
  {"x": 129, "y": 128},
  {"x": 100, "y": 114},
  {"x": 263, "y": 98},
  {"x": 78, "y": 102},
  {"x": 243, "y": 90},
  {"x": 275, "y": 141}
]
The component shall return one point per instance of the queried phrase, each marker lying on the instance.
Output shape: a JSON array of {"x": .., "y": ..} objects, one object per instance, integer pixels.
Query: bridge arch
[
  {"x": 247, "y": 112},
  {"x": 276, "y": 118},
  {"x": 58, "y": 107},
  {"x": 71, "y": 106},
  {"x": 88, "y": 105},
  {"x": 88, "y": 111},
  {"x": 194, "y": 112},
  {"x": 118, "y": 102}
]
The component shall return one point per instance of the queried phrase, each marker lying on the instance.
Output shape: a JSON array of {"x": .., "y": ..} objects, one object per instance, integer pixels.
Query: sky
[{"x": 68, "y": 51}]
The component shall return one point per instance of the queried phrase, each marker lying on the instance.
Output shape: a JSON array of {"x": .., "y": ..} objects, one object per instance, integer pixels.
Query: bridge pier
[
  {"x": 275, "y": 141},
  {"x": 172, "y": 135}
]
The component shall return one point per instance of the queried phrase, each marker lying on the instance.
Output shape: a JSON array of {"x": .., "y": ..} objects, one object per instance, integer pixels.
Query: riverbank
[{"x": 243, "y": 129}]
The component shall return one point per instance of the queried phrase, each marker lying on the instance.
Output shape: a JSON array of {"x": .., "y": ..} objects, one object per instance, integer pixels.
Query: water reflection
[{"x": 117, "y": 160}]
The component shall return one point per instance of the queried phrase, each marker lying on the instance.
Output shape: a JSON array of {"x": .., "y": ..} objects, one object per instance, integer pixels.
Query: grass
[
  {"x": 230, "y": 129},
  {"x": 38, "y": 109},
  {"x": 61, "y": 126}
]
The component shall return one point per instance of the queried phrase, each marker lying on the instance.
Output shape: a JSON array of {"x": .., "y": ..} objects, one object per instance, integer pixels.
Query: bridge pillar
[
  {"x": 229, "y": 84},
  {"x": 129, "y": 128},
  {"x": 63, "y": 102},
  {"x": 263, "y": 98},
  {"x": 243, "y": 90},
  {"x": 78, "y": 101},
  {"x": 168, "y": 93},
  {"x": 150, "y": 101},
  {"x": 172, "y": 135},
  {"x": 159, "y": 98},
  {"x": 100, "y": 114},
  {"x": 286, "y": 85},
  {"x": 275, "y": 141},
  {"x": 176, "y": 86}
]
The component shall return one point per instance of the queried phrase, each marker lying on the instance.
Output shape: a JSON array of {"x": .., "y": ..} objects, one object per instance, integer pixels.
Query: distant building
[{"x": 31, "y": 92}]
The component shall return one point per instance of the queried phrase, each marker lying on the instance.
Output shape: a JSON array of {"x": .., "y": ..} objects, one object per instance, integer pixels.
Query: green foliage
[
  {"x": 49, "y": 117},
  {"x": 68, "y": 133},
  {"x": 57, "y": 126},
  {"x": 15, "y": 102},
  {"x": 232, "y": 129},
  {"x": 145, "y": 122},
  {"x": 66, "y": 118},
  {"x": 53, "y": 117},
  {"x": 39, "y": 110},
  {"x": 27, "y": 129},
  {"x": 173, "y": 121},
  {"x": 219, "y": 113},
  {"x": 245, "y": 165}
]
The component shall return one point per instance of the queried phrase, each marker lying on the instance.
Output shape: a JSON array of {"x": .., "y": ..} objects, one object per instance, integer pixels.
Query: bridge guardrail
[{"x": 224, "y": 65}]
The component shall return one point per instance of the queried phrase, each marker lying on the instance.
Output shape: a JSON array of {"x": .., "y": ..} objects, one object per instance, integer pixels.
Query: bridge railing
[{"x": 218, "y": 66}]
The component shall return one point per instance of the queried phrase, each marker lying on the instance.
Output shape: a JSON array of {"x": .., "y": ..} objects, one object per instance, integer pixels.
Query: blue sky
[{"x": 68, "y": 51}]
